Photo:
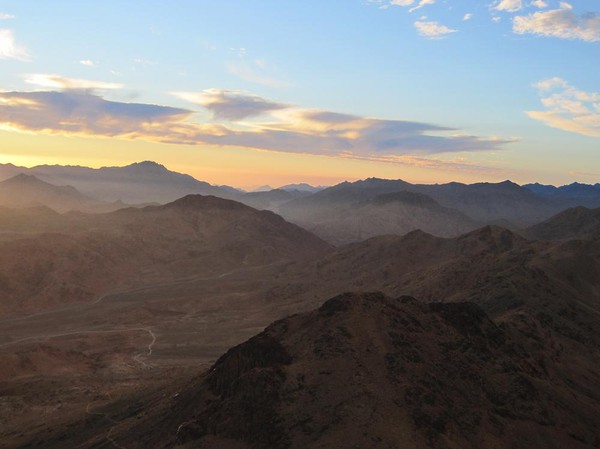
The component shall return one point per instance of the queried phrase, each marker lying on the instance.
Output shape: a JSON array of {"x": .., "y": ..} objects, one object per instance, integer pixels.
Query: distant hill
[
  {"x": 138, "y": 183},
  {"x": 302, "y": 187},
  {"x": 25, "y": 191},
  {"x": 193, "y": 236},
  {"x": 576, "y": 223},
  {"x": 271, "y": 199},
  {"x": 391, "y": 213}
]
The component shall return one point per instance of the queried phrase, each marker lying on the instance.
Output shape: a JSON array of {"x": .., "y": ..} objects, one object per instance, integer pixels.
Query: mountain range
[
  {"x": 204, "y": 322},
  {"x": 344, "y": 213}
]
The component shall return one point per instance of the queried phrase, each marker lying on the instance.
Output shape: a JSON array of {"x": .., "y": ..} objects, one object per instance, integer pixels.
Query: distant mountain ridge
[
  {"x": 24, "y": 191},
  {"x": 137, "y": 183},
  {"x": 346, "y": 212},
  {"x": 575, "y": 194}
]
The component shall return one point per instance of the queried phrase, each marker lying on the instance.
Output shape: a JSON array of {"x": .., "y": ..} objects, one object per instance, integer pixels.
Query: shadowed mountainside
[
  {"x": 195, "y": 235},
  {"x": 373, "y": 372},
  {"x": 576, "y": 223}
]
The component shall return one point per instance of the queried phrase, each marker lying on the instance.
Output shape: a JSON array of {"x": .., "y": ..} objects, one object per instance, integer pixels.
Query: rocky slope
[
  {"x": 193, "y": 236},
  {"x": 374, "y": 372},
  {"x": 576, "y": 223}
]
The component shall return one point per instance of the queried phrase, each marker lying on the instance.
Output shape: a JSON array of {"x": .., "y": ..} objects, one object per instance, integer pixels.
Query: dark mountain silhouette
[
  {"x": 138, "y": 183},
  {"x": 575, "y": 194},
  {"x": 28, "y": 191},
  {"x": 575, "y": 223},
  {"x": 369, "y": 371}
]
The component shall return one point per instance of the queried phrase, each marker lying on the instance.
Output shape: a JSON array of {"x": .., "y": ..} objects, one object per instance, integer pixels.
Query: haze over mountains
[
  {"x": 481, "y": 336},
  {"x": 142, "y": 182},
  {"x": 347, "y": 212},
  {"x": 87, "y": 254}
]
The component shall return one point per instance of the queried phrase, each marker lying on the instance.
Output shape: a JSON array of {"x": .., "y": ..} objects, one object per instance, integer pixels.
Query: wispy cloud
[
  {"x": 285, "y": 128},
  {"x": 433, "y": 30},
  {"x": 421, "y": 4},
  {"x": 467, "y": 16},
  {"x": 52, "y": 81},
  {"x": 4, "y": 16},
  {"x": 231, "y": 105},
  {"x": 87, "y": 63},
  {"x": 568, "y": 108},
  {"x": 562, "y": 23},
  {"x": 10, "y": 49}
]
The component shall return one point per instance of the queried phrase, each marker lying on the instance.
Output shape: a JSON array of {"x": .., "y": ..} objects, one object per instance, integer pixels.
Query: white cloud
[
  {"x": 561, "y": 23},
  {"x": 539, "y": 4},
  {"x": 50, "y": 81},
  {"x": 9, "y": 49},
  {"x": 509, "y": 5},
  {"x": 433, "y": 30},
  {"x": 4, "y": 16},
  {"x": 467, "y": 16},
  {"x": 87, "y": 63},
  {"x": 421, "y": 4},
  {"x": 568, "y": 108}
]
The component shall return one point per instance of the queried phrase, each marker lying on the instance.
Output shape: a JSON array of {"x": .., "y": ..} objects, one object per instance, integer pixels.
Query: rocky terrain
[
  {"x": 576, "y": 223},
  {"x": 365, "y": 370},
  {"x": 110, "y": 321},
  {"x": 82, "y": 256}
]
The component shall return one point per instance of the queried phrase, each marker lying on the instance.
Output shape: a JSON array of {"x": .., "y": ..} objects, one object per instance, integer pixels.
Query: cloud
[
  {"x": 229, "y": 104},
  {"x": 50, "y": 81},
  {"x": 539, "y": 4},
  {"x": 286, "y": 129},
  {"x": 9, "y": 49},
  {"x": 433, "y": 30},
  {"x": 467, "y": 16},
  {"x": 568, "y": 108},
  {"x": 561, "y": 23},
  {"x": 82, "y": 113},
  {"x": 87, "y": 63},
  {"x": 509, "y": 5},
  {"x": 421, "y": 4},
  {"x": 4, "y": 16}
]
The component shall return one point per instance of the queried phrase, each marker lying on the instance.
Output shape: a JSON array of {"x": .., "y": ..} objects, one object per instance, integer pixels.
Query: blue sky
[{"x": 423, "y": 90}]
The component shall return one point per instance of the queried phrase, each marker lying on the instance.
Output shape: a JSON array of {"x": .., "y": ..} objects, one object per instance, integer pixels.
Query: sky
[{"x": 280, "y": 91}]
